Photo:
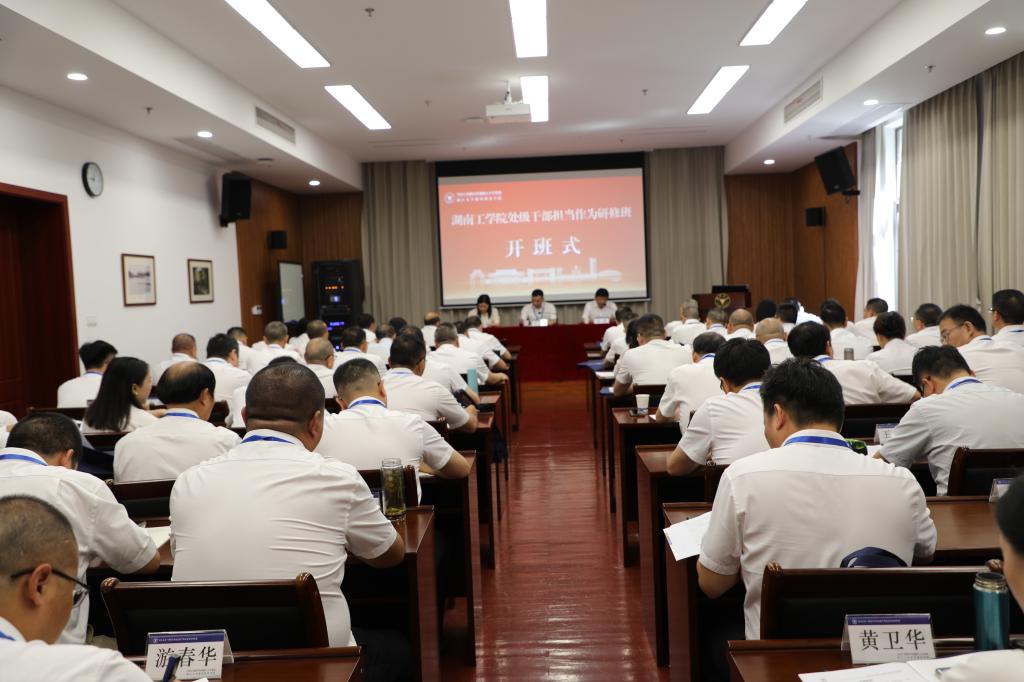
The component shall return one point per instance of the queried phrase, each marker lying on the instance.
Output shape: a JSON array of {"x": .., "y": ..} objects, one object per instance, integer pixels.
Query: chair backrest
[
  {"x": 813, "y": 603},
  {"x": 409, "y": 491},
  {"x": 712, "y": 477},
  {"x": 332, "y": 406},
  {"x": 860, "y": 420},
  {"x": 144, "y": 499},
  {"x": 906, "y": 378},
  {"x": 106, "y": 441},
  {"x": 972, "y": 471},
  {"x": 72, "y": 412},
  {"x": 257, "y": 614}
]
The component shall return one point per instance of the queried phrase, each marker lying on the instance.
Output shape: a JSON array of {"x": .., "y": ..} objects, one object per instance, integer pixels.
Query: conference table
[
  {"x": 338, "y": 664},
  {"x": 549, "y": 353}
]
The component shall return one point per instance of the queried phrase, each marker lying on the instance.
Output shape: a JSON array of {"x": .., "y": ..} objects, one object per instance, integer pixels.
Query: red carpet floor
[{"x": 557, "y": 606}]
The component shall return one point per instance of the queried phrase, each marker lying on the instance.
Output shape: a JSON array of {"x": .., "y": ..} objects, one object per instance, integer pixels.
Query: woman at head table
[{"x": 487, "y": 313}]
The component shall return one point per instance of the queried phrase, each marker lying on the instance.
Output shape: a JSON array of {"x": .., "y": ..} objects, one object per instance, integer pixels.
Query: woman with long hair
[
  {"x": 120, "y": 404},
  {"x": 488, "y": 315}
]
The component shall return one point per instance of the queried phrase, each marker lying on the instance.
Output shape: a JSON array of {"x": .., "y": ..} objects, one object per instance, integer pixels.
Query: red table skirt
[{"x": 550, "y": 353}]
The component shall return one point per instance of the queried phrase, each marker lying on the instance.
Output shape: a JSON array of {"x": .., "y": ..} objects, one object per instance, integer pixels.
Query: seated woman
[
  {"x": 121, "y": 402},
  {"x": 488, "y": 315}
]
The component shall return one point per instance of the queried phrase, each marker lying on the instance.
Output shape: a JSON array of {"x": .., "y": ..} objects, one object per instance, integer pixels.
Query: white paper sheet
[
  {"x": 887, "y": 672},
  {"x": 874, "y": 450},
  {"x": 605, "y": 375},
  {"x": 160, "y": 535},
  {"x": 929, "y": 669},
  {"x": 684, "y": 538}
]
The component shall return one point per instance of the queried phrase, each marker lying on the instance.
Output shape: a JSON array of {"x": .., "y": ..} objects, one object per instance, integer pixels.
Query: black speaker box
[
  {"x": 815, "y": 216},
  {"x": 235, "y": 198},
  {"x": 835, "y": 171},
  {"x": 277, "y": 239}
]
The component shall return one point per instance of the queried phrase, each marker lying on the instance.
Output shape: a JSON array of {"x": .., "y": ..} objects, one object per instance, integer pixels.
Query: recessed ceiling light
[
  {"x": 995, "y": 30},
  {"x": 358, "y": 106},
  {"x": 719, "y": 86},
  {"x": 204, "y": 134},
  {"x": 75, "y": 76},
  {"x": 277, "y": 30},
  {"x": 769, "y": 162},
  {"x": 529, "y": 27},
  {"x": 870, "y": 102},
  {"x": 535, "y": 93},
  {"x": 314, "y": 183},
  {"x": 773, "y": 20}
]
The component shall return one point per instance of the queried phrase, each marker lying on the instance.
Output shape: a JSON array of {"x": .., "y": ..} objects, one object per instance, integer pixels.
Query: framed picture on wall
[
  {"x": 200, "y": 281},
  {"x": 138, "y": 279}
]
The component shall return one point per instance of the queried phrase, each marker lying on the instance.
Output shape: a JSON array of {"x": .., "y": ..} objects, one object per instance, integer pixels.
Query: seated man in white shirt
[
  {"x": 182, "y": 437},
  {"x": 409, "y": 392},
  {"x": 474, "y": 330},
  {"x": 958, "y": 410},
  {"x": 238, "y": 399},
  {"x": 461, "y": 360},
  {"x": 787, "y": 314},
  {"x": 600, "y": 310},
  {"x": 810, "y": 501},
  {"x": 730, "y": 426},
  {"x": 619, "y": 330},
  {"x": 381, "y": 348},
  {"x": 40, "y": 460},
  {"x": 833, "y": 316},
  {"x": 1005, "y": 665},
  {"x": 275, "y": 338},
  {"x": 771, "y": 333},
  {"x": 1008, "y": 317},
  {"x": 538, "y": 313},
  {"x": 183, "y": 349},
  {"x": 367, "y": 431},
  {"x": 865, "y": 328},
  {"x": 863, "y": 382},
  {"x": 621, "y": 344},
  {"x": 716, "y": 320},
  {"x": 273, "y": 507},
  {"x": 315, "y": 329},
  {"x": 896, "y": 355},
  {"x": 741, "y": 325},
  {"x": 80, "y": 391},
  {"x": 997, "y": 364},
  {"x": 368, "y": 325},
  {"x": 442, "y": 373},
  {"x": 246, "y": 355},
  {"x": 672, "y": 325},
  {"x": 652, "y": 360},
  {"x": 430, "y": 322},
  {"x": 320, "y": 359},
  {"x": 691, "y": 327},
  {"x": 222, "y": 359},
  {"x": 691, "y": 384},
  {"x": 926, "y": 326},
  {"x": 353, "y": 346},
  {"x": 37, "y": 595},
  {"x": 480, "y": 347}
]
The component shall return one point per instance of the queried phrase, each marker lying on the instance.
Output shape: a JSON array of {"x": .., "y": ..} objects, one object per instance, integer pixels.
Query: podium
[{"x": 729, "y": 297}]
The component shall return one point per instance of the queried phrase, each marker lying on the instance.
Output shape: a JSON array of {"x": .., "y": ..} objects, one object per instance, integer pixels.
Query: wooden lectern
[{"x": 729, "y": 297}]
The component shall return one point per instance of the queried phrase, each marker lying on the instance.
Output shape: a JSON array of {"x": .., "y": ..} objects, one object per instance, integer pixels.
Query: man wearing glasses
[
  {"x": 995, "y": 363},
  {"x": 40, "y": 460},
  {"x": 37, "y": 594}
]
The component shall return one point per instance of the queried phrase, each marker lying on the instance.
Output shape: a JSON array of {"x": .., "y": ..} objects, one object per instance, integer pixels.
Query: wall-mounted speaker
[
  {"x": 815, "y": 216},
  {"x": 235, "y": 198},
  {"x": 277, "y": 239},
  {"x": 835, "y": 171}
]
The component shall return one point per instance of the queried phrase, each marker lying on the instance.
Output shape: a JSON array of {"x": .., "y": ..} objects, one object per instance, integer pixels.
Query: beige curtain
[
  {"x": 938, "y": 203},
  {"x": 1001, "y": 246},
  {"x": 868, "y": 149}
]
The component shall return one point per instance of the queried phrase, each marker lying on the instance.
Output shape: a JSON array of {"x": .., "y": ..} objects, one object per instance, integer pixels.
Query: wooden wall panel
[
  {"x": 331, "y": 230},
  {"x": 760, "y": 238}
]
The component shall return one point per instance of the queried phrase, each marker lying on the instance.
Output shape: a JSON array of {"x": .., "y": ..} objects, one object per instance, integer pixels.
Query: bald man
[
  {"x": 741, "y": 325},
  {"x": 183, "y": 349},
  {"x": 320, "y": 359},
  {"x": 771, "y": 332},
  {"x": 430, "y": 322},
  {"x": 273, "y": 507},
  {"x": 716, "y": 322},
  {"x": 37, "y": 594}
]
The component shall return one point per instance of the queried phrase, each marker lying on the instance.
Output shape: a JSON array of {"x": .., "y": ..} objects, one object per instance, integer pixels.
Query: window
[{"x": 885, "y": 221}]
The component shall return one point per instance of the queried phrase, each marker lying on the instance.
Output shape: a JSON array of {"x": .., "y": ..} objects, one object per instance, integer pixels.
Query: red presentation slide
[{"x": 567, "y": 233}]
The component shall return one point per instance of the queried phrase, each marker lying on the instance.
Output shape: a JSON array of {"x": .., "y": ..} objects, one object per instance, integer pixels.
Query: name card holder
[
  {"x": 888, "y": 638},
  {"x": 203, "y": 653},
  {"x": 602, "y": 320},
  {"x": 543, "y": 322},
  {"x": 883, "y": 432},
  {"x": 999, "y": 486}
]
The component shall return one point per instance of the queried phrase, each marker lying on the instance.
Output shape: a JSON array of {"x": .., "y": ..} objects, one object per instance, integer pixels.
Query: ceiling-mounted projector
[{"x": 508, "y": 111}]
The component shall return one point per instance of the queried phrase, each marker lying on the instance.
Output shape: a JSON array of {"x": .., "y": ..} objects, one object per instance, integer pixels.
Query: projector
[{"x": 508, "y": 112}]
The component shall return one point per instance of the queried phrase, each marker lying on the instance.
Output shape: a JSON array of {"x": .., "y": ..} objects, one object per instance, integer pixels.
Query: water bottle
[
  {"x": 392, "y": 488},
  {"x": 472, "y": 381},
  {"x": 991, "y": 612}
]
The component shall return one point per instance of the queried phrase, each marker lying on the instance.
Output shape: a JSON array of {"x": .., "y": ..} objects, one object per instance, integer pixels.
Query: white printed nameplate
[
  {"x": 883, "y": 432},
  {"x": 999, "y": 486},
  {"x": 202, "y": 653},
  {"x": 601, "y": 320},
  {"x": 888, "y": 638}
]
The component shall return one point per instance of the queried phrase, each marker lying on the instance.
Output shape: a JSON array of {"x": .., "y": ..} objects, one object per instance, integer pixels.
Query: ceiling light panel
[
  {"x": 772, "y": 21},
  {"x": 350, "y": 98},
  {"x": 535, "y": 93},
  {"x": 718, "y": 88},
  {"x": 529, "y": 27},
  {"x": 268, "y": 21}
]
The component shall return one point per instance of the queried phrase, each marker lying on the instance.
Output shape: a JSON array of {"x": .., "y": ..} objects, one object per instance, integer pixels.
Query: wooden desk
[
  {"x": 294, "y": 665},
  {"x": 606, "y": 403},
  {"x": 967, "y": 531},
  {"x": 480, "y": 442},
  {"x": 593, "y": 389},
  {"x": 631, "y": 431},
  {"x": 497, "y": 400},
  {"x": 549, "y": 353},
  {"x": 515, "y": 379}
]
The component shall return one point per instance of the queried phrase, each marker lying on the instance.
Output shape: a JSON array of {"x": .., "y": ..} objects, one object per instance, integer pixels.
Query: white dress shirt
[
  {"x": 491, "y": 319},
  {"x": 427, "y": 399},
  {"x": 687, "y": 331},
  {"x": 994, "y": 363},
  {"x": 929, "y": 336},
  {"x": 269, "y": 510},
  {"x": 137, "y": 418},
  {"x": 489, "y": 341},
  {"x": 651, "y": 363},
  {"x": 865, "y": 383},
  {"x": 967, "y": 414},
  {"x": 173, "y": 360},
  {"x": 101, "y": 525},
  {"x": 741, "y": 333},
  {"x": 248, "y": 359},
  {"x": 170, "y": 445},
  {"x": 1011, "y": 334},
  {"x": 80, "y": 391},
  {"x": 533, "y": 316},
  {"x": 726, "y": 428},
  {"x": 688, "y": 387},
  {"x": 592, "y": 312},
  {"x": 299, "y": 343},
  {"x": 865, "y": 329},
  {"x": 351, "y": 353},
  {"x": 778, "y": 351},
  {"x": 369, "y": 432},
  {"x": 371, "y": 337},
  {"x": 480, "y": 347},
  {"x": 787, "y": 327},
  {"x": 237, "y": 403},
  {"x": 428, "y": 334},
  {"x": 895, "y": 357},
  {"x": 803, "y": 316},
  {"x": 718, "y": 329},
  {"x": 844, "y": 338},
  {"x": 228, "y": 378},
  {"x": 461, "y": 360},
  {"x": 382, "y": 349},
  {"x": 37, "y": 661},
  {"x": 442, "y": 373},
  {"x": 616, "y": 350},
  {"x": 262, "y": 357},
  {"x": 326, "y": 376},
  {"x": 988, "y": 666},
  {"x": 610, "y": 334},
  {"x": 809, "y": 504}
]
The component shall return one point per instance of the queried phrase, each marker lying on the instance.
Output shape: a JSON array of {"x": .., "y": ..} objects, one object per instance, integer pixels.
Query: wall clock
[{"x": 92, "y": 178}]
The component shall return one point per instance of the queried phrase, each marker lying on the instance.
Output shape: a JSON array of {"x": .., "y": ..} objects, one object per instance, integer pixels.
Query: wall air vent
[
  {"x": 804, "y": 101},
  {"x": 265, "y": 119}
]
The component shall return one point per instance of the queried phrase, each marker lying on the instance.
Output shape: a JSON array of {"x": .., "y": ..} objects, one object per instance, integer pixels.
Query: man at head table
[
  {"x": 600, "y": 310},
  {"x": 538, "y": 312}
]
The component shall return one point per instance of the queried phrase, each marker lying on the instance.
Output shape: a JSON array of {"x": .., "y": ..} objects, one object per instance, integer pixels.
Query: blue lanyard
[
  {"x": 350, "y": 349},
  {"x": 752, "y": 387},
  {"x": 822, "y": 358},
  {"x": 4, "y": 635},
  {"x": 817, "y": 440},
  {"x": 217, "y": 361},
  {"x": 366, "y": 401},
  {"x": 705, "y": 357},
  {"x": 961, "y": 382},
  {"x": 181, "y": 414},
  {"x": 24, "y": 458},
  {"x": 253, "y": 439},
  {"x": 99, "y": 374},
  {"x": 401, "y": 372}
]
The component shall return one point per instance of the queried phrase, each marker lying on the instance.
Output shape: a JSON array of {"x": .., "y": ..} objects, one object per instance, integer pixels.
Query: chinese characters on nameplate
[
  {"x": 884, "y": 638},
  {"x": 202, "y": 653}
]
